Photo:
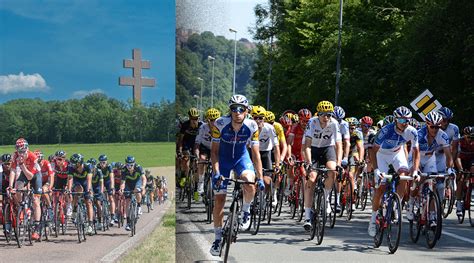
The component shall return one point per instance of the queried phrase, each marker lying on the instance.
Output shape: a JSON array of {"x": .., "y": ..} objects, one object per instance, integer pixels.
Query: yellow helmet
[
  {"x": 193, "y": 113},
  {"x": 258, "y": 111},
  {"x": 325, "y": 106},
  {"x": 295, "y": 118},
  {"x": 269, "y": 117},
  {"x": 212, "y": 114}
]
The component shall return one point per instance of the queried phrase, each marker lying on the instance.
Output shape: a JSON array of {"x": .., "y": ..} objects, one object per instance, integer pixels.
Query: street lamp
[
  {"x": 235, "y": 55},
  {"x": 338, "y": 59},
  {"x": 212, "y": 80},
  {"x": 200, "y": 104},
  {"x": 197, "y": 100}
]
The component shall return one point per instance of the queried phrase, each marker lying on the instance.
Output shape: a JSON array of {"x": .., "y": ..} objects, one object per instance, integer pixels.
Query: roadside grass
[
  {"x": 153, "y": 154},
  {"x": 160, "y": 245}
]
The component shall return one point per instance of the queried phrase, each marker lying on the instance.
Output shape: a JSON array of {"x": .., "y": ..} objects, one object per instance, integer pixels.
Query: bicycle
[
  {"x": 23, "y": 228},
  {"x": 208, "y": 197},
  {"x": 106, "y": 218},
  {"x": 426, "y": 206},
  {"x": 467, "y": 198},
  {"x": 120, "y": 209},
  {"x": 282, "y": 177},
  {"x": 9, "y": 216},
  {"x": 231, "y": 228},
  {"x": 147, "y": 200},
  {"x": 132, "y": 212},
  {"x": 389, "y": 215},
  {"x": 365, "y": 189},
  {"x": 80, "y": 217},
  {"x": 257, "y": 209},
  {"x": 333, "y": 200},
  {"x": 46, "y": 224},
  {"x": 60, "y": 218},
  {"x": 190, "y": 187},
  {"x": 267, "y": 213},
  {"x": 447, "y": 203},
  {"x": 296, "y": 198},
  {"x": 346, "y": 196}
]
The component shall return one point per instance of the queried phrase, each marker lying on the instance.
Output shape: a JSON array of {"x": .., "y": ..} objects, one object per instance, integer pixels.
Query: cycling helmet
[
  {"x": 469, "y": 131},
  {"x": 193, "y": 113},
  {"x": 147, "y": 171},
  {"x": 51, "y": 158},
  {"x": 92, "y": 161},
  {"x": 269, "y": 117},
  {"x": 6, "y": 158},
  {"x": 238, "y": 100},
  {"x": 285, "y": 121},
  {"x": 76, "y": 158},
  {"x": 39, "y": 155},
  {"x": 446, "y": 113},
  {"x": 21, "y": 145},
  {"x": 102, "y": 158},
  {"x": 433, "y": 118},
  {"x": 367, "y": 121},
  {"x": 295, "y": 118},
  {"x": 258, "y": 111},
  {"x": 304, "y": 114},
  {"x": 325, "y": 106},
  {"x": 380, "y": 124},
  {"x": 130, "y": 159},
  {"x": 60, "y": 153},
  {"x": 212, "y": 114},
  {"x": 352, "y": 121},
  {"x": 339, "y": 113},
  {"x": 388, "y": 119},
  {"x": 402, "y": 112},
  {"x": 416, "y": 124},
  {"x": 118, "y": 165}
]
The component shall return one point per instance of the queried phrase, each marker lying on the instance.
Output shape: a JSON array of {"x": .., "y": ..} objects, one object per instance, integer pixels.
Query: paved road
[
  {"x": 286, "y": 241},
  {"x": 105, "y": 246}
]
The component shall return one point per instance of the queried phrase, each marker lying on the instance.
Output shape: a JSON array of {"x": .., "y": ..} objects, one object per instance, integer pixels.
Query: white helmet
[
  {"x": 238, "y": 100},
  {"x": 402, "y": 112},
  {"x": 434, "y": 118}
]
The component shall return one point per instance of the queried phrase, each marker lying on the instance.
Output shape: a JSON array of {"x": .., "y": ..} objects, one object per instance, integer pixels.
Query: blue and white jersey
[
  {"x": 391, "y": 141},
  {"x": 453, "y": 134},
  {"x": 267, "y": 137},
  {"x": 233, "y": 143},
  {"x": 344, "y": 128},
  {"x": 204, "y": 136},
  {"x": 440, "y": 141}
]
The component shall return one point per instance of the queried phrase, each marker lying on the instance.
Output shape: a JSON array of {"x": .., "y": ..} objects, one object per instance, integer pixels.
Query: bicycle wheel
[
  {"x": 463, "y": 210},
  {"x": 363, "y": 198},
  {"x": 319, "y": 217},
  {"x": 333, "y": 204},
  {"x": 21, "y": 228},
  {"x": 6, "y": 214},
  {"x": 293, "y": 198},
  {"x": 281, "y": 193},
  {"x": 348, "y": 205},
  {"x": 415, "y": 224},
  {"x": 342, "y": 198},
  {"x": 209, "y": 200},
  {"x": 394, "y": 220},
  {"x": 471, "y": 205},
  {"x": 132, "y": 215},
  {"x": 230, "y": 230},
  {"x": 269, "y": 203},
  {"x": 448, "y": 199},
  {"x": 79, "y": 223},
  {"x": 300, "y": 201},
  {"x": 379, "y": 228},
  {"x": 257, "y": 211},
  {"x": 189, "y": 188},
  {"x": 57, "y": 218},
  {"x": 433, "y": 233}
]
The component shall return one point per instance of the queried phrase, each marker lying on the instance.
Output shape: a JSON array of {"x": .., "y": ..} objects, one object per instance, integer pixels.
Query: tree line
[
  {"x": 93, "y": 119},
  {"x": 392, "y": 50}
]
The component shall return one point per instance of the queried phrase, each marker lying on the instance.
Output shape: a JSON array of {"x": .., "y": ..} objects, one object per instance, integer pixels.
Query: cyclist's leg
[
  {"x": 400, "y": 164},
  {"x": 383, "y": 160},
  {"x": 219, "y": 200},
  {"x": 110, "y": 191},
  {"x": 309, "y": 185},
  {"x": 36, "y": 185},
  {"x": 245, "y": 170}
]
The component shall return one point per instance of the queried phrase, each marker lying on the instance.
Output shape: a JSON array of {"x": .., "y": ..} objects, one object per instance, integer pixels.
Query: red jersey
[
  {"x": 298, "y": 134},
  {"x": 61, "y": 171},
  {"x": 46, "y": 170},
  {"x": 467, "y": 150},
  {"x": 117, "y": 177},
  {"x": 30, "y": 162}
]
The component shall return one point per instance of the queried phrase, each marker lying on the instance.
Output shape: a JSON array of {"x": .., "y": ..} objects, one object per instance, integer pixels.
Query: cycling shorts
[
  {"x": 204, "y": 150},
  {"x": 241, "y": 165},
  {"x": 397, "y": 159},
  {"x": 81, "y": 182},
  {"x": 132, "y": 185},
  {"x": 323, "y": 155},
  {"x": 35, "y": 182}
]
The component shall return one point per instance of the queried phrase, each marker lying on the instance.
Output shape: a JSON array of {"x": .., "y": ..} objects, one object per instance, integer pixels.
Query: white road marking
[{"x": 444, "y": 232}]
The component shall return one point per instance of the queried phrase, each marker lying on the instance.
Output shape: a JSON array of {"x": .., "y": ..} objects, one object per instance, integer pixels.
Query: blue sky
[{"x": 58, "y": 50}]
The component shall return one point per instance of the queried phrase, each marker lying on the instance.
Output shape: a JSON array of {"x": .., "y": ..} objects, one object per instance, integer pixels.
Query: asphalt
[
  {"x": 105, "y": 246},
  {"x": 285, "y": 240}
]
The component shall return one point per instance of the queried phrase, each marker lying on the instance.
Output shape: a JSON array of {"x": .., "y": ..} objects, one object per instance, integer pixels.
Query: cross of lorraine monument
[{"x": 137, "y": 64}]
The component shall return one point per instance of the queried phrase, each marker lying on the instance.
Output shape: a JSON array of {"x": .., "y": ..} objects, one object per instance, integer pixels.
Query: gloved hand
[
  {"x": 260, "y": 184},
  {"x": 306, "y": 166},
  {"x": 416, "y": 176},
  {"x": 344, "y": 162},
  {"x": 451, "y": 170},
  {"x": 377, "y": 173},
  {"x": 216, "y": 180}
]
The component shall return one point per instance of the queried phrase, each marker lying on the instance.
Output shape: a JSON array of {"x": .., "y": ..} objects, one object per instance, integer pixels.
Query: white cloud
[
  {"x": 22, "y": 83},
  {"x": 82, "y": 93}
]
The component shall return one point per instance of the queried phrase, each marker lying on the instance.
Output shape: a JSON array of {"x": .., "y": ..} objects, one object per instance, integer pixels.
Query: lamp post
[
  {"x": 197, "y": 100},
  {"x": 200, "y": 104},
  {"x": 213, "y": 59},
  {"x": 338, "y": 61},
  {"x": 235, "y": 56}
]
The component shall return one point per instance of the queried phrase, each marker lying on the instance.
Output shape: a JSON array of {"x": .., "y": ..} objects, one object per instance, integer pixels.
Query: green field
[{"x": 146, "y": 154}]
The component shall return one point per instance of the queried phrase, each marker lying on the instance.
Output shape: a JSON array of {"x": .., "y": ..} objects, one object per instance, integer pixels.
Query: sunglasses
[
  {"x": 352, "y": 127},
  {"x": 434, "y": 127},
  {"x": 103, "y": 162},
  {"x": 324, "y": 114},
  {"x": 129, "y": 165},
  {"x": 366, "y": 125},
  {"x": 238, "y": 109},
  {"x": 402, "y": 120},
  {"x": 258, "y": 118}
]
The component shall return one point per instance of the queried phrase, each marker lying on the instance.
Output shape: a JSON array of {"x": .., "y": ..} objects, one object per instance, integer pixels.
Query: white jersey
[
  {"x": 323, "y": 137},
  {"x": 453, "y": 135},
  {"x": 204, "y": 136},
  {"x": 391, "y": 141},
  {"x": 370, "y": 133},
  {"x": 344, "y": 127},
  {"x": 267, "y": 137}
]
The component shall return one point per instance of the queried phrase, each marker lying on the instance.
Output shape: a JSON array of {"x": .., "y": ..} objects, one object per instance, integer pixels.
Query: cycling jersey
[
  {"x": 134, "y": 176},
  {"x": 440, "y": 141},
  {"x": 46, "y": 170},
  {"x": 30, "y": 161},
  {"x": 466, "y": 152},
  {"x": 323, "y": 137},
  {"x": 356, "y": 136},
  {"x": 61, "y": 171},
  {"x": 106, "y": 171},
  {"x": 72, "y": 171},
  {"x": 279, "y": 132},
  {"x": 369, "y": 138},
  {"x": 344, "y": 127},
  {"x": 391, "y": 141},
  {"x": 234, "y": 142},
  {"x": 204, "y": 136},
  {"x": 189, "y": 134},
  {"x": 267, "y": 137},
  {"x": 97, "y": 176},
  {"x": 298, "y": 132}
]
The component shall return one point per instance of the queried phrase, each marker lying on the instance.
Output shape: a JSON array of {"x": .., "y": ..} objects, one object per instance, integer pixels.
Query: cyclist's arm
[
  {"x": 89, "y": 181},
  {"x": 307, "y": 149},
  {"x": 416, "y": 158},
  {"x": 11, "y": 178},
  {"x": 143, "y": 182},
  {"x": 360, "y": 149},
  {"x": 373, "y": 155},
  {"x": 112, "y": 180},
  {"x": 338, "y": 152},
  {"x": 180, "y": 142},
  {"x": 449, "y": 157},
  {"x": 257, "y": 162},
  {"x": 347, "y": 148}
]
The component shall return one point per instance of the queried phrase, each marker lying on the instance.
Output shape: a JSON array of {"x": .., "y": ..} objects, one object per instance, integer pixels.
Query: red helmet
[
  {"x": 304, "y": 114},
  {"x": 367, "y": 120},
  {"x": 39, "y": 155},
  {"x": 21, "y": 145},
  {"x": 285, "y": 121}
]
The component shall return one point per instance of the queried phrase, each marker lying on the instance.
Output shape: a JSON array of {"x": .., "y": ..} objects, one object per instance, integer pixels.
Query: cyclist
[
  {"x": 268, "y": 142},
  {"x": 339, "y": 115},
  {"x": 133, "y": 180},
  {"x": 390, "y": 149},
  {"x": 430, "y": 138},
  {"x": 80, "y": 179},
  {"x": 286, "y": 123},
  {"x": 202, "y": 147},
  {"x": 323, "y": 145},
  {"x": 357, "y": 151},
  {"x": 369, "y": 135},
  {"x": 97, "y": 189},
  {"x": 280, "y": 132},
  {"x": 150, "y": 186},
  {"x": 60, "y": 166},
  {"x": 281, "y": 142},
  {"x": 5, "y": 172},
  {"x": 230, "y": 136},
  {"x": 186, "y": 139},
  {"x": 26, "y": 170},
  {"x": 117, "y": 171},
  {"x": 164, "y": 187},
  {"x": 465, "y": 162},
  {"x": 47, "y": 174},
  {"x": 159, "y": 189},
  {"x": 109, "y": 183}
]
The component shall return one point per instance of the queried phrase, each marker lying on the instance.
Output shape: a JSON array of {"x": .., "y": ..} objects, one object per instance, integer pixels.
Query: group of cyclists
[
  {"x": 249, "y": 141},
  {"x": 27, "y": 172}
]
